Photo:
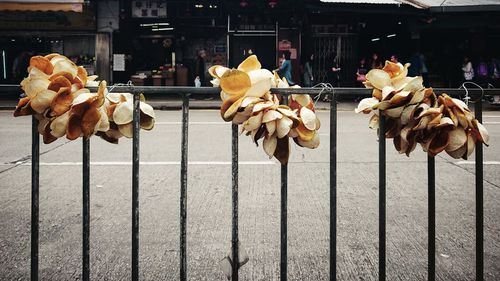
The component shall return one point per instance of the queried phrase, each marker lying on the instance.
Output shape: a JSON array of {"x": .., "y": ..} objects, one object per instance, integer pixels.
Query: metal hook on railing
[
  {"x": 129, "y": 84},
  {"x": 325, "y": 87},
  {"x": 467, "y": 97}
]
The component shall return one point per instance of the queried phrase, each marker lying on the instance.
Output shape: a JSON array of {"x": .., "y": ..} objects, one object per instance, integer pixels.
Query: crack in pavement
[
  {"x": 463, "y": 168},
  {"x": 27, "y": 158}
]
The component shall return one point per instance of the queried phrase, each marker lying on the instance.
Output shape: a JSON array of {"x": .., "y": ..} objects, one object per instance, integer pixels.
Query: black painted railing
[{"x": 185, "y": 92}]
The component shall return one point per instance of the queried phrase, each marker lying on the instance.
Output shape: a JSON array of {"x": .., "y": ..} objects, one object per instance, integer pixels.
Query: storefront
[
  {"x": 54, "y": 28},
  {"x": 160, "y": 43}
]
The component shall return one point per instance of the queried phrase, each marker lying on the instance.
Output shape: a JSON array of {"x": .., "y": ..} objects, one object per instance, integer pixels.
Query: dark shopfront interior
[
  {"x": 163, "y": 51},
  {"x": 167, "y": 47}
]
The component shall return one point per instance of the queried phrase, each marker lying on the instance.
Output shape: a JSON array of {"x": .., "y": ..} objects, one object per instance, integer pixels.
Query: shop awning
[
  {"x": 455, "y": 5},
  {"x": 383, "y": 2},
  {"x": 433, "y": 5},
  {"x": 44, "y": 6}
]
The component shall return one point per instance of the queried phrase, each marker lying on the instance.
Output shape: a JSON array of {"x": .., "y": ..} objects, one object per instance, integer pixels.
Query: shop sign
[
  {"x": 284, "y": 45},
  {"x": 149, "y": 9},
  {"x": 118, "y": 62}
]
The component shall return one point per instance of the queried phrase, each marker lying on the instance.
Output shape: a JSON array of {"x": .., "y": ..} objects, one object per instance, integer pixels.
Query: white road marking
[
  {"x": 161, "y": 163},
  {"x": 491, "y": 123},
  {"x": 193, "y": 123},
  {"x": 491, "y": 116},
  {"x": 473, "y": 162}
]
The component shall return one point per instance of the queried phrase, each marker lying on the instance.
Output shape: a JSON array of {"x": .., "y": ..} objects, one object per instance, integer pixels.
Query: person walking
[
  {"x": 334, "y": 71},
  {"x": 361, "y": 73},
  {"x": 199, "y": 73},
  {"x": 308, "y": 72},
  {"x": 467, "y": 69},
  {"x": 285, "y": 70},
  {"x": 394, "y": 59},
  {"x": 424, "y": 71},
  {"x": 376, "y": 63},
  {"x": 494, "y": 72}
]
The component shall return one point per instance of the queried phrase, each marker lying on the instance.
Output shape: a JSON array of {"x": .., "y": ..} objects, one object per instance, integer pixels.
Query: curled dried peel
[
  {"x": 283, "y": 126},
  {"x": 269, "y": 144},
  {"x": 62, "y": 102},
  {"x": 123, "y": 113},
  {"x": 42, "y": 100},
  {"x": 249, "y": 64},
  {"x": 235, "y": 82},
  {"x": 308, "y": 118},
  {"x": 378, "y": 78},
  {"x": 366, "y": 105},
  {"x": 41, "y": 63},
  {"x": 59, "y": 125}
]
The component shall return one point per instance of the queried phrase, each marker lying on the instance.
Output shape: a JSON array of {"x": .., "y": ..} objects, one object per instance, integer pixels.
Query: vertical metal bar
[
  {"x": 333, "y": 187},
  {"x": 431, "y": 251},
  {"x": 35, "y": 173},
  {"x": 284, "y": 214},
  {"x": 478, "y": 111},
  {"x": 135, "y": 188},
  {"x": 382, "y": 178},
  {"x": 86, "y": 209},
  {"x": 234, "y": 240},
  {"x": 284, "y": 233},
  {"x": 183, "y": 199}
]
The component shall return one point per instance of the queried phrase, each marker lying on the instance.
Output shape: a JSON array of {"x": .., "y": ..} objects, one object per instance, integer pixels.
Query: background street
[{"x": 209, "y": 205}]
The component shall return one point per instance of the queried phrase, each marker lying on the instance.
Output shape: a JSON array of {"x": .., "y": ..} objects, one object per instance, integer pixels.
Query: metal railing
[{"x": 185, "y": 93}]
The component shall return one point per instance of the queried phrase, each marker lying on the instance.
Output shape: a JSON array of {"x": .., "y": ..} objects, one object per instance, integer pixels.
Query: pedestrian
[
  {"x": 424, "y": 71},
  {"x": 308, "y": 71},
  {"x": 20, "y": 65},
  {"x": 494, "y": 71},
  {"x": 482, "y": 71},
  {"x": 395, "y": 60},
  {"x": 334, "y": 71},
  {"x": 376, "y": 63},
  {"x": 361, "y": 73},
  {"x": 415, "y": 65},
  {"x": 467, "y": 69},
  {"x": 285, "y": 70},
  {"x": 199, "y": 72}
]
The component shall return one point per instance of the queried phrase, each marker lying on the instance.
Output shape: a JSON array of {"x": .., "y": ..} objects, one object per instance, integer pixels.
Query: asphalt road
[{"x": 209, "y": 205}]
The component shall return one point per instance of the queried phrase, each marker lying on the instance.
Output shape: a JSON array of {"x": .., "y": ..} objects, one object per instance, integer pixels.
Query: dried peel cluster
[
  {"x": 416, "y": 115},
  {"x": 56, "y": 95},
  {"x": 247, "y": 100}
]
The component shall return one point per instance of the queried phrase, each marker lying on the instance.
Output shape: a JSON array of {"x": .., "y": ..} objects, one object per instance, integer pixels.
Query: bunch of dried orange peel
[
  {"x": 415, "y": 114},
  {"x": 57, "y": 96},
  {"x": 247, "y": 100}
]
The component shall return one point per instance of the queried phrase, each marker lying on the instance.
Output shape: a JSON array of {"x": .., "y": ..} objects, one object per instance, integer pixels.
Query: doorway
[{"x": 244, "y": 45}]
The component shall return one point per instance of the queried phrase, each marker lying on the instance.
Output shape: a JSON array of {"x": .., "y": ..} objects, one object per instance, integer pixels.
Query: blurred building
[{"x": 158, "y": 42}]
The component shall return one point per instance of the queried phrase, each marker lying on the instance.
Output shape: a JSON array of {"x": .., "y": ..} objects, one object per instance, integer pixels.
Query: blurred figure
[
  {"x": 376, "y": 63},
  {"x": 20, "y": 65},
  {"x": 467, "y": 69},
  {"x": 199, "y": 72},
  {"x": 395, "y": 60},
  {"x": 308, "y": 71},
  {"x": 494, "y": 71},
  {"x": 482, "y": 71},
  {"x": 334, "y": 71},
  {"x": 415, "y": 64},
  {"x": 424, "y": 71},
  {"x": 285, "y": 70},
  {"x": 361, "y": 73}
]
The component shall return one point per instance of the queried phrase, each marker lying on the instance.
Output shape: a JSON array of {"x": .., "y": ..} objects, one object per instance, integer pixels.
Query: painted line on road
[
  {"x": 193, "y": 123},
  {"x": 491, "y": 123},
  {"x": 473, "y": 162},
  {"x": 161, "y": 163},
  {"x": 491, "y": 116}
]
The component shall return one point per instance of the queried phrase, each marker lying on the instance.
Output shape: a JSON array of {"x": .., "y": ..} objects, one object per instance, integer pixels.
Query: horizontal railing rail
[
  {"x": 340, "y": 92},
  {"x": 186, "y": 93}
]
